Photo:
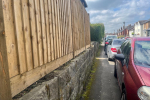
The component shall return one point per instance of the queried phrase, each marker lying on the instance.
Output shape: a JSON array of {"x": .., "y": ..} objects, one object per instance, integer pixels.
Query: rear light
[
  {"x": 106, "y": 43},
  {"x": 113, "y": 49}
]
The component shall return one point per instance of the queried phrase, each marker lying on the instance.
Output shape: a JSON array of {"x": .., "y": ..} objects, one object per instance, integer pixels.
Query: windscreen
[
  {"x": 111, "y": 37},
  {"x": 118, "y": 42},
  {"x": 142, "y": 53}
]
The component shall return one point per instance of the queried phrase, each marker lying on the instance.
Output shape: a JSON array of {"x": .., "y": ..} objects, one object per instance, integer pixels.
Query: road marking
[
  {"x": 111, "y": 63},
  {"x": 101, "y": 58}
]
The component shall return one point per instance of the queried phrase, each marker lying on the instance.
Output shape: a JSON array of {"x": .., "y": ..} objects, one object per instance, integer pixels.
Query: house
[
  {"x": 138, "y": 28},
  {"x": 128, "y": 30},
  {"x": 146, "y": 28},
  {"x": 131, "y": 31}
]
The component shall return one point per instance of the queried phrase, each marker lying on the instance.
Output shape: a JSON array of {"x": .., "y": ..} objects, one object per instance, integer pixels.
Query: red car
[{"x": 132, "y": 69}]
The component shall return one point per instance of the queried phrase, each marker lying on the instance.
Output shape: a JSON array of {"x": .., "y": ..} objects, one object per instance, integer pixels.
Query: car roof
[{"x": 140, "y": 38}]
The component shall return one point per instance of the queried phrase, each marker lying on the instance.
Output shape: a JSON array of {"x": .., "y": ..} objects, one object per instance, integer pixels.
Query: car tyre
[
  {"x": 123, "y": 95},
  {"x": 108, "y": 59},
  {"x": 105, "y": 52}
]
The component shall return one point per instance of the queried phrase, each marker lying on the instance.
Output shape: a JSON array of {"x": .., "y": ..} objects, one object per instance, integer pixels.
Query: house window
[{"x": 148, "y": 33}]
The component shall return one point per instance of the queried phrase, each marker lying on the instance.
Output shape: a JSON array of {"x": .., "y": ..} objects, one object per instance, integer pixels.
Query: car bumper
[{"x": 112, "y": 55}]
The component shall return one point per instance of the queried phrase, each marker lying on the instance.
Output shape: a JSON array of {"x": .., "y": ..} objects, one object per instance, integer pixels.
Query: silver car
[{"x": 113, "y": 47}]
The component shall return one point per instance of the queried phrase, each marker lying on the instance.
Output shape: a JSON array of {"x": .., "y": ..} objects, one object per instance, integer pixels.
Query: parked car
[
  {"x": 132, "y": 69},
  {"x": 113, "y": 47},
  {"x": 107, "y": 38},
  {"x": 111, "y": 37},
  {"x": 106, "y": 44}
]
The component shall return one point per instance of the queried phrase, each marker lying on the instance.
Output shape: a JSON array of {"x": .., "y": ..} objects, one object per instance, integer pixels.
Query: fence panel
[{"x": 40, "y": 35}]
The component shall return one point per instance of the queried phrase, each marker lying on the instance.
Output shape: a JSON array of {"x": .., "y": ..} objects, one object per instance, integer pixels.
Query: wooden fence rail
[{"x": 36, "y": 37}]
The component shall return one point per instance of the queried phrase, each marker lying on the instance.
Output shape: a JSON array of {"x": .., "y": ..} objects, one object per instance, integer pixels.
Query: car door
[{"x": 120, "y": 65}]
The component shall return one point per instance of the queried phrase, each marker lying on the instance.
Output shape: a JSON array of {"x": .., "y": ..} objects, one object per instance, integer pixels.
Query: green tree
[{"x": 97, "y": 32}]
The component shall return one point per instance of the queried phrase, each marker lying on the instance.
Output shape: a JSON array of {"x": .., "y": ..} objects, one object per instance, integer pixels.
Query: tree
[{"x": 97, "y": 32}]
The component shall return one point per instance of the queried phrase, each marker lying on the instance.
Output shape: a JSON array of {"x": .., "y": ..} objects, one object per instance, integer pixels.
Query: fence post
[{"x": 5, "y": 91}]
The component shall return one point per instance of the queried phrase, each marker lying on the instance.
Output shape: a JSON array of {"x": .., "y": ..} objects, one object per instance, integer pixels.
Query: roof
[
  {"x": 130, "y": 27},
  {"x": 147, "y": 21},
  {"x": 84, "y": 3},
  {"x": 141, "y": 22}
]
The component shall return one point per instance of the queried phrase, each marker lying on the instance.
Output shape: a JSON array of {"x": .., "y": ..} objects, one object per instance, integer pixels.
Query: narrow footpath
[{"x": 105, "y": 85}]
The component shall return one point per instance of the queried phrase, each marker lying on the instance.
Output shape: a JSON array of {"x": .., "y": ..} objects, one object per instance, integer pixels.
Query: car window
[
  {"x": 110, "y": 42},
  {"x": 126, "y": 52},
  {"x": 125, "y": 49},
  {"x": 111, "y": 37},
  {"x": 123, "y": 45},
  {"x": 118, "y": 42},
  {"x": 142, "y": 53}
]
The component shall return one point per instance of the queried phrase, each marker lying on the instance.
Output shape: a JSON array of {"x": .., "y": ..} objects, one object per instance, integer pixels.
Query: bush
[{"x": 97, "y": 32}]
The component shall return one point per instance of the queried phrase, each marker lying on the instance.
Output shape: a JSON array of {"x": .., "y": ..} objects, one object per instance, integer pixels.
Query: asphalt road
[{"x": 105, "y": 85}]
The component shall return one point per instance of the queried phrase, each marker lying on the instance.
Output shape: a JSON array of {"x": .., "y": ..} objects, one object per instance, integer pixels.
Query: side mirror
[{"x": 119, "y": 57}]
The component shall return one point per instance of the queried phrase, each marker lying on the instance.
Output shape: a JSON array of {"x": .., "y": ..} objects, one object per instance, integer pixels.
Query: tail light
[
  {"x": 113, "y": 49},
  {"x": 106, "y": 42}
]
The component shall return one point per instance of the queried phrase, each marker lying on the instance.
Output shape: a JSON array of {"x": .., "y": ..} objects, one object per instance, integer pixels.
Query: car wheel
[
  {"x": 108, "y": 58},
  {"x": 115, "y": 72},
  {"x": 105, "y": 52},
  {"x": 123, "y": 95}
]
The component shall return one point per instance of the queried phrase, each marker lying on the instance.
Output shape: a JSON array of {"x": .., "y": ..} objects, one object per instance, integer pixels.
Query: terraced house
[{"x": 146, "y": 28}]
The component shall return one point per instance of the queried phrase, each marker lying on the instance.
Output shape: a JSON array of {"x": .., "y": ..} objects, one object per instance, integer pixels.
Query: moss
[{"x": 91, "y": 77}]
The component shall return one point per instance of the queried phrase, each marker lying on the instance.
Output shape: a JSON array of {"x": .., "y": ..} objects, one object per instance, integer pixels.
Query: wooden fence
[{"x": 36, "y": 37}]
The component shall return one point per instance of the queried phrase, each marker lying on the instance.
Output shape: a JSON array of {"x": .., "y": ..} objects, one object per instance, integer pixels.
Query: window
[
  {"x": 142, "y": 53},
  {"x": 110, "y": 42},
  {"x": 125, "y": 48},
  {"x": 118, "y": 42},
  {"x": 123, "y": 45},
  {"x": 127, "y": 52}
]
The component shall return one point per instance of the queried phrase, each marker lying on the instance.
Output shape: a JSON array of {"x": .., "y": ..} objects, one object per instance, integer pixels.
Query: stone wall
[{"x": 68, "y": 84}]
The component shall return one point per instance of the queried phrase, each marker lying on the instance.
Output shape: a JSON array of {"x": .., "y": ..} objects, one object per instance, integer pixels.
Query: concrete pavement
[{"x": 105, "y": 85}]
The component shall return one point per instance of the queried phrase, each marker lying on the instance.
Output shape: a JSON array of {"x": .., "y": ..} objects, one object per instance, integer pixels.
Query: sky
[{"x": 114, "y": 12}]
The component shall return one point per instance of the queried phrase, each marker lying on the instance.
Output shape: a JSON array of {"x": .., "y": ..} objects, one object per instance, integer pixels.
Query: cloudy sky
[{"x": 114, "y": 12}]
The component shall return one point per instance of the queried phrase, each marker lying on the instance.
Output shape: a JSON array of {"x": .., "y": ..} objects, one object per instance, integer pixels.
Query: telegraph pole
[{"x": 124, "y": 29}]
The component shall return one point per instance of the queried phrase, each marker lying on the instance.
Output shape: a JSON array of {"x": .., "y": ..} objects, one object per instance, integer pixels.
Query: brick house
[{"x": 146, "y": 28}]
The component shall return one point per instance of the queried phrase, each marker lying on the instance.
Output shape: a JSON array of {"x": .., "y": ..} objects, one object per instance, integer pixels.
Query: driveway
[{"x": 105, "y": 85}]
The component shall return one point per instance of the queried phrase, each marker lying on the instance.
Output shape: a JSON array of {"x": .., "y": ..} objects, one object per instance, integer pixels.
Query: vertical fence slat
[
  {"x": 5, "y": 90},
  {"x": 61, "y": 2},
  {"x": 39, "y": 31},
  {"x": 56, "y": 23},
  {"x": 65, "y": 22},
  {"x": 59, "y": 36},
  {"x": 11, "y": 44},
  {"x": 20, "y": 36},
  {"x": 43, "y": 31},
  {"x": 62, "y": 41},
  {"x": 67, "y": 27},
  {"x": 51, "y": 29},
  {"x": 47, "y": 29},
  {"x": 27, "y": 34},
  {"x": 54, "y": 31},
  {"x": 33, "y": 33}
]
